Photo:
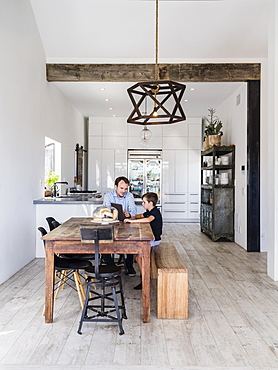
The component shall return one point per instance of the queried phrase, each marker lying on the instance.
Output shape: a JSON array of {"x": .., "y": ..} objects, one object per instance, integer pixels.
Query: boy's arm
[
  {"x": 140, "y": 218},
  {"x": 140, "y": 215}
]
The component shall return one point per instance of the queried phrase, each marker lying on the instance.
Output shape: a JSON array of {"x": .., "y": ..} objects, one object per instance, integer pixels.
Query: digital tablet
[{"x": 119, "y": 207}]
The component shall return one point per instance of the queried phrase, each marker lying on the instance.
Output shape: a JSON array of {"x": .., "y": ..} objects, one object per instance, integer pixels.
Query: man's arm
[
  {"x": 131, "y": 206},
  {"x": 107, "y": 200}
]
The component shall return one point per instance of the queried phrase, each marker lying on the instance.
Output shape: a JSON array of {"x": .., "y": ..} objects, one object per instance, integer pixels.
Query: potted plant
[
  {"x": 50, "y": 179},
  {"x": 213, "y": 131}
]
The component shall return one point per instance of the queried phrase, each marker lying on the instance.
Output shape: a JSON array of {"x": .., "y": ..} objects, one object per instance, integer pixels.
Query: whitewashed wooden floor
[{"x": 233, "y": 318}]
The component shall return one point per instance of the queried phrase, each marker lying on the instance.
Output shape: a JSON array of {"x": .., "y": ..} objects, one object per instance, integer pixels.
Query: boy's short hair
[
  {"x": 151, "y": 197},
  {"x": 121, "y": 178}
]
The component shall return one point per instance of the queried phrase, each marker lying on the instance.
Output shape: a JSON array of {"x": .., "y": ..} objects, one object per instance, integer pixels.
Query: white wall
[
  {"x": 271, "y": 137},
  {"x": 234, "y": 118},
  {"x": 30, "y": 109}
]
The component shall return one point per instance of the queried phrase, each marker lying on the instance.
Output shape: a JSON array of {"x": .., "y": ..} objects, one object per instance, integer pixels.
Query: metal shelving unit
[{"x": 217, "y": 192}]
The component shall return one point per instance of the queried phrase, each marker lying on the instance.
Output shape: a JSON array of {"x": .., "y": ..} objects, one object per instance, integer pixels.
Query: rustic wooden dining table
[{"x": 129, "y": 238}]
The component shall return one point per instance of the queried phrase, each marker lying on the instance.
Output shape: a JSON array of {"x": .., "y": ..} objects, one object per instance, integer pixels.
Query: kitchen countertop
[{"x": 69, "y": 199}]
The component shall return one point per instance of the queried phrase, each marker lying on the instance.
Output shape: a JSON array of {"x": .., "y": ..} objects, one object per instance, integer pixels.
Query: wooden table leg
[
  {"x": 49, "y": 282},
  {"x": 146, "y": 281}
]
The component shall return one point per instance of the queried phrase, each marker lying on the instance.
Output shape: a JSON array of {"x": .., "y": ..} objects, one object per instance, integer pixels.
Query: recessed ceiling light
[
  {"x": 102, "y": 88},
  {"x": 114, "y": 115},
  {"x": 185, "y": 99},
  {"x": 110, "y": 108},
  {"x": 106, "y": 99},
  {"x": 192, "y": 88}
]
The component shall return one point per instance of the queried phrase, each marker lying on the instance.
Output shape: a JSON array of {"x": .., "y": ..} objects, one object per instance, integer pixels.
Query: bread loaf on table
[{"x": 106, "y": 214}]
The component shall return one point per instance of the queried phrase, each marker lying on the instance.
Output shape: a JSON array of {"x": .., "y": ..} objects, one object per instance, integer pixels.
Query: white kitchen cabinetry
[
  {"x": 107, "y": 170},
  {"x": 104, "y": 166},
  {"x": 193, "y": 184},
  {"x": 174, "y": 171},
  {"x": 181, "y": 146},
  {"x": 120, "y": 162},
  {"x": 174, "y": 178},
  {"x": 94, "y": 170}
]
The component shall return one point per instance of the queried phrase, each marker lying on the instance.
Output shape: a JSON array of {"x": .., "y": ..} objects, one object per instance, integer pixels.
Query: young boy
[{"x": 152, "y": 216}]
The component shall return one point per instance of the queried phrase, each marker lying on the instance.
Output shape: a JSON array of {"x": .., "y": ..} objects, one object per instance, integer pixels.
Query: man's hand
[{"x": 127, "y": 214}]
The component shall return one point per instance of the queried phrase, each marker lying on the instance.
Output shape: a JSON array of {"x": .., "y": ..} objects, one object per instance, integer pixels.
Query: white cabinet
[
  {"x": 120, "y": 162},
  {"x": 174, "y": 171},
  {"x": 107, "y": 170},
  {"x": 174, "y": 199},
  {"x": 94, "y": 170},
  {"x": 107, "y": 156},
  {"x": 168, "y": 171},
  {"x": 193, "y": 173},
  {"x": 101, "y": 169}
]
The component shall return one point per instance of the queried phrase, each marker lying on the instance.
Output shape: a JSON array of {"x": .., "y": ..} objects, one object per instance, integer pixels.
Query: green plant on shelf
[{"x": 214, "y": 124}]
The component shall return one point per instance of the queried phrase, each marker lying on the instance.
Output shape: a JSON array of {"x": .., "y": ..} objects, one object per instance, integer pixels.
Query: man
[
  {"x": 122, "y": 196},
  {"x": 152, "y": 216}
]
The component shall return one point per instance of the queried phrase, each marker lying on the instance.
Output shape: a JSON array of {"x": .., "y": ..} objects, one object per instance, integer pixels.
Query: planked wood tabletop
[{"x": 69, "y": 230}]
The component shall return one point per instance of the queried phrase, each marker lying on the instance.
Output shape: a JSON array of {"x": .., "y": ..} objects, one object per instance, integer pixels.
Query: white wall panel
[
  {"x": 114, "y": 142},
  {"x": 194, "y": 129},
  {"x": 114, "y": 129},
  {"x": 194, "y": 169},
  {"x": 176, "y": 129},
  {"x": 120, "y": 163},
  {"x": 181, "y": 171},
  {"x": 95, "y": 129},
  {"x": 95, "y": 142},
  {"x": 94, "y": 166},
  {"x": 107, "y": 170},
  {"x": 175, "y": 142},
  {"x": 195, "y": 143},
  {"x": 135, "y": 143}
]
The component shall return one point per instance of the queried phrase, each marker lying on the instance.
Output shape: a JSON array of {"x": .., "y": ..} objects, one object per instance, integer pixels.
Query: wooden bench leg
[{"x": 172, "y": 294}]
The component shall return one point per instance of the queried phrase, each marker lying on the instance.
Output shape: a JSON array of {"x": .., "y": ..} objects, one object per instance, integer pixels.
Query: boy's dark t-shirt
[{"x": 156, "y": 224}]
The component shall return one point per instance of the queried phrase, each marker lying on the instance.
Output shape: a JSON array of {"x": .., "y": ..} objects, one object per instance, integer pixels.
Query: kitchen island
[{"x": 62, "y": 208}]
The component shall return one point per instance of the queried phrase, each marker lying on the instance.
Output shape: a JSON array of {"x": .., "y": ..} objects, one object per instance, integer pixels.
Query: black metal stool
[{"x": 105, "y": 284}]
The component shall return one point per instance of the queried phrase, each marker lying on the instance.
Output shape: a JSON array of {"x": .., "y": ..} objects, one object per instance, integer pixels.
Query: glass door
[
  {"x": 153, "y": 176},
  {"x": 136, "y": 177}
]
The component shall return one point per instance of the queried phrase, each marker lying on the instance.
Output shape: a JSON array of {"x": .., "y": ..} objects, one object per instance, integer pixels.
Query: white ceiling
[{"x": 123, "y": 31}]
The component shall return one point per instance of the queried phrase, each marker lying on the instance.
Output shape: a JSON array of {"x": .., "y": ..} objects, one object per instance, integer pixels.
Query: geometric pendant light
[{"x": 163, "y": 98}]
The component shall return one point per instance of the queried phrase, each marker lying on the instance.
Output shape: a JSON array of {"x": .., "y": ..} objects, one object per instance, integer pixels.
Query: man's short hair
[
  {"x": 151, "y": 197},
  {"x": 121, "y": 178}
]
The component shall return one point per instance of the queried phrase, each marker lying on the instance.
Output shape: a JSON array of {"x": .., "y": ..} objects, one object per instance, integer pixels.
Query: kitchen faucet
[{"x": 55, "y": 188}]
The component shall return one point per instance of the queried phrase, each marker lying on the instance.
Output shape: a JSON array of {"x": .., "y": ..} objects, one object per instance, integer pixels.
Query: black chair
[
  {"x": 67, "y": 270},
  {"x": 55, "y": 224},
  {"x": 50, "y": 222},
  {"x": 104, "y": 285}
]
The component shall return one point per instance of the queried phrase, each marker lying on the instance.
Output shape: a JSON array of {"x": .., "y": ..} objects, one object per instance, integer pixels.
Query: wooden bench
[{"x": 172, "y": 282}]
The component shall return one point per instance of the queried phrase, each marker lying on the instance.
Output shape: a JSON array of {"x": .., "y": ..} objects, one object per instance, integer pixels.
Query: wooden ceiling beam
[{"x": 183, "y": 72}]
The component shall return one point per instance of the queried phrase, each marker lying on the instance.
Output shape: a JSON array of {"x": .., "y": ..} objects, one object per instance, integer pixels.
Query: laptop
[{"x": 119, "y": 207}]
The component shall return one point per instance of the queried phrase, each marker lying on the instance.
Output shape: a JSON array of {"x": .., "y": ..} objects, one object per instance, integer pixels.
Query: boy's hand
[{"x": 126, "y": 220}]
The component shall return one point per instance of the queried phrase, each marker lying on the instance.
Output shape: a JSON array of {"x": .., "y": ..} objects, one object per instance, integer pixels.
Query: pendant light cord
[{"x": 156, "y": 41}]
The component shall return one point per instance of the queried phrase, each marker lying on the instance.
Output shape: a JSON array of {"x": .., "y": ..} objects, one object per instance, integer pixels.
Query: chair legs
[
  {"x": 103, "y": 305},
  {"x": 79, "y": 288},
  {"x": 65, "y": 275}
]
